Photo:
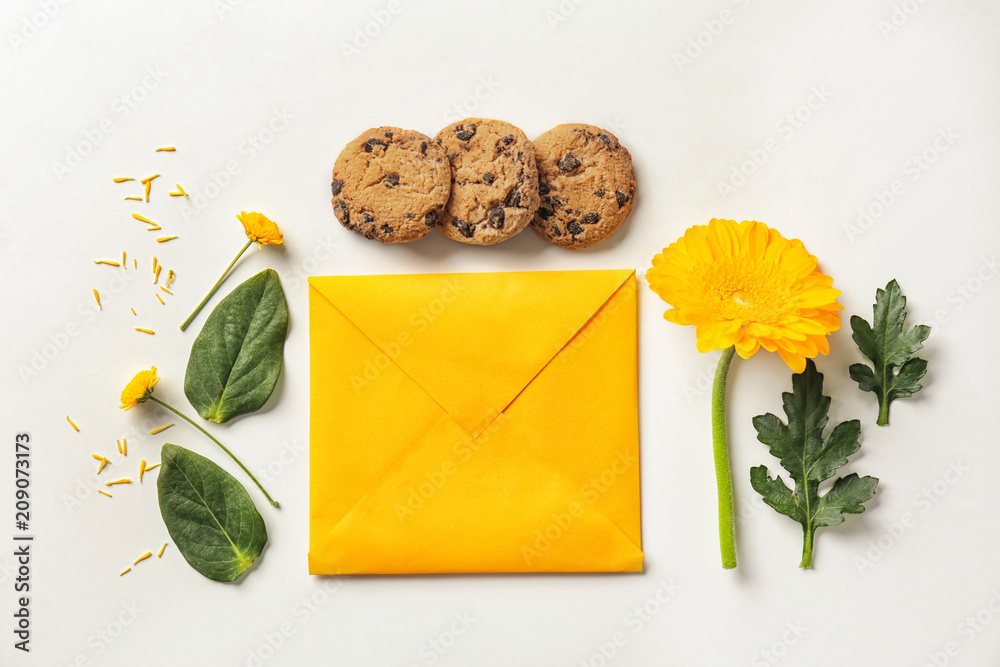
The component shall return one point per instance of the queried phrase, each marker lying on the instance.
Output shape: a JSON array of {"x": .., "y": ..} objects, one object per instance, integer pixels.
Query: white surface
[{"x": 222, "y": 79}]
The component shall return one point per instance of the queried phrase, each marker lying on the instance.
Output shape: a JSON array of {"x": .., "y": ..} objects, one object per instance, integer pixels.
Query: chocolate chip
[
  {"x": 452, "y": 156},
  {"x": 605, "y": 139},
  {"x": 465, "y": 133},
  {"x": 408, "y": 216},
  {"x": 513, "y": 198},
  {"x": 372, "y": 143},
  {"x": 574, "y": 228},
  {"x": 336, "y": 187},
  {"x": 388, "y": 135},
  {"x": 463, "y": 228},
  {"x": 496, "y": 218},
  {"x": 568, "y": 162},
  {"x": 489, "y": 178},
  {"x": 340, "y": 208},
  {"x": 599, "y": 193},
  {"x": 508, "y": 140},
  {"x": 423, "y": 147},
  {"x": 386, "y": 229},
  {"x": 367, "y": 218},
  {"x": 591, "y": 219},
  {"x": 391, "y": 180},
  {"x": 622, "y": 198},
  {"x": 556, "y": 202},
  {"x": 543, "y": 188},
  {"x": 556, "y": 231},
  {"x": 431, "y": 218},
  {"x": 520, "y": 155},
  {"x": 544, "y": 213}
]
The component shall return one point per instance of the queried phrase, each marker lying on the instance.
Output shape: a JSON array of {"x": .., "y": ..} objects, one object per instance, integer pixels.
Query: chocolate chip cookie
[
  {"x": 586, "y": 182},
  {"x": 494, "y": 181},
  {"x": 391, "y": 185}
]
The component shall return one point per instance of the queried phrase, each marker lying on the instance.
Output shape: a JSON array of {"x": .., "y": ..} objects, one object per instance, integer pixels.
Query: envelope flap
[{"x": 473, "y": 341}]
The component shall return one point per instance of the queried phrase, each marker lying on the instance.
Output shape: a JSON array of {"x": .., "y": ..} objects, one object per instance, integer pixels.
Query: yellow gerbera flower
[
  {"x": 745, "y": 285},
  {"x": 260, "y": 228},
  {"x": 139, "y": 389}
]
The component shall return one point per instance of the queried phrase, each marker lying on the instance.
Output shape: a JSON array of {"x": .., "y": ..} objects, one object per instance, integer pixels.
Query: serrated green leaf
[
  {"x": 889, "y": 348},
  {"x": 237, "y": 358},
  {"x": 810, "y": 458},
  {"x": 208, "y": 514}
]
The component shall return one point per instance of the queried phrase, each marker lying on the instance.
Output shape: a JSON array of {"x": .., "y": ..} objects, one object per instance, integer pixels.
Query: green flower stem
[
  {"x": 723, "y": 478},
  {"x": 883, "y": 413},
  {"x": 215, "y": 288},
  {"x": 212, "y": 438},
  {"x": 807, "y": 546}
]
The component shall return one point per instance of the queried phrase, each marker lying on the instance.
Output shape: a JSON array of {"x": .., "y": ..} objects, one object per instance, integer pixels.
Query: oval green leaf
[
  {"x": 236, "y": 359},
  {"x": 208, "y": 514}
]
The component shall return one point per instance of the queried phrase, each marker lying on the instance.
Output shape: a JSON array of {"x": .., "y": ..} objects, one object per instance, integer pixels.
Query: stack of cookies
[{"x": 481, "y": 181}]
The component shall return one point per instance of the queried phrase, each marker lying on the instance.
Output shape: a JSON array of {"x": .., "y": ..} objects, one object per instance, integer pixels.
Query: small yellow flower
[
  {"x": 139, "y": 389},
  {"x": 260, "y": 228},
  {"x": 745, "y": 285}
]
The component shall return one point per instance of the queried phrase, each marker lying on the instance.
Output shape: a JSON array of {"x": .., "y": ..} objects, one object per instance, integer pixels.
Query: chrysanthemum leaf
[
  {"x": 810, "y": 458},
  {"x": 895, "y": 372},
  {"x": 237, "y": 358}
]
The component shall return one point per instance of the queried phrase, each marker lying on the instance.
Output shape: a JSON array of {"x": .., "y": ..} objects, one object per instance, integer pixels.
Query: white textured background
[{"x": 889, "y": 81}]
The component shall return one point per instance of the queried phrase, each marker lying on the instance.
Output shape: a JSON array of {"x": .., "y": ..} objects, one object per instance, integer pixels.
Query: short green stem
[
  {"x": 215, "y": 287},
  {"x": 883, "y": 413},
  {"x": 807, "y": 546},
  {"x": 212, "y": 438},
  {"x": 720, "y": 448}
]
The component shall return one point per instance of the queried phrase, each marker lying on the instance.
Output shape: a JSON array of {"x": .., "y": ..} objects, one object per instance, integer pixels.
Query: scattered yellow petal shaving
[
  {"x": 109, "y": 262},
  {"x": 125, "y": 571},
  {"x": 133, "y": 311},
  {"x": 123, "y": 259},
  {"x": 159, "y": 554},
  {"x": 180, "y": 189},
  {"x": 119, "y": 443},
  {"x": 122, "y": 180},
  {"x": 98, "y": 298},
  {"x": 104, "y": 461},
  {"x": 165, "y": 289},
  {"x": 156, "y": 273},
  {"x": 149, "y": 178},
  {"x": 145, "y": 331},
  {"x": 175, "y": 194},
  {"x": 165, "y": 238},
  {"x": 124, "y": 447},
  {"x": 166, "y": 148},
  {"x": 133, "y": 198},
  {"x": 124, "y": 480},
  {"x": 160, "y": 429},
  {"x": 160, "y": 298},
  {"x": 142, "y": 468},
  {"x": 148, "y": 187},
  {"x": 142, "y": 558},
  {"x": 170, "y": 276},
  {"x": 135, "y": 263},
  {"x": 75, "y": 427},
  {"x": 155, "y": 465},
  {"x": 154, "y": 229},
  {"x": 105, "y": 493}
]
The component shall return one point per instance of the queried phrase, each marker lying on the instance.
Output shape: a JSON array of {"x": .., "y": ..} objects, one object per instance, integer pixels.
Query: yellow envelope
[{"x": 475, "y": 422}]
